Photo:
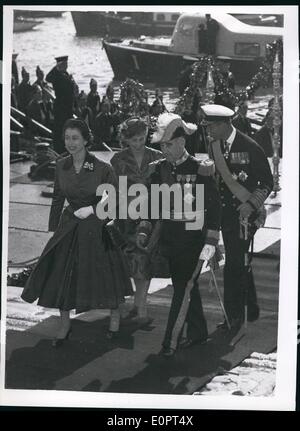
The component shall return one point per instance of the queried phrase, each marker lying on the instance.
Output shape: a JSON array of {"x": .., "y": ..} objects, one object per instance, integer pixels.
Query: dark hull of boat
[
  {"x": 163, "y": 68},
  {"x": 21, "y": 25},
  {"x": 101, "y": 24},
  {"x": 37, "y": 14}
]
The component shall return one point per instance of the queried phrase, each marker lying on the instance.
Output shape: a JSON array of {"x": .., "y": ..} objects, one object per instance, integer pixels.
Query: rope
[{"x": 29, "y": 230}]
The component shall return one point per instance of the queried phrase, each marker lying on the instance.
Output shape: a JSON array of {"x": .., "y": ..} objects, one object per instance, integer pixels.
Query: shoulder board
[{"x": 206, "y": 167}]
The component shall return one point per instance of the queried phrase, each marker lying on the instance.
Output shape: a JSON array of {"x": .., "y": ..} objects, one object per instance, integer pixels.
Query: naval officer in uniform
[
  {"x": 245, "y": 181},
  {"x": 184, "y": 247},
  {"x": 64, "y": 88}
]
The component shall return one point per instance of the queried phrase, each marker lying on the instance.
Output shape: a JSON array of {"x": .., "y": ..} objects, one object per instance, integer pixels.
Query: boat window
[
  {"x": 160, "y": 17},
  {"x": 247, "y": 49},
  {"x": 174, "y": 16},
  {"x": 186, "y": 28}
]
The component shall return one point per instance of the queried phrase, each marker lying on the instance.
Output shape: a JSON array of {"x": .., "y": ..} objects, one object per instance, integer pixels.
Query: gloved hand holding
[
  {"x": 207, "y": 252},
  {"x": 245, "y": 210},
  {"x": 141, "y": 240},
  {"x": 84, "y": 212}
]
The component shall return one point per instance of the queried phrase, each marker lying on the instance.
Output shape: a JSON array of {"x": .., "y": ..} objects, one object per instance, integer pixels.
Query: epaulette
[
  {"x": 206, "y": 167},
  {"x": 153, "y": 165}
]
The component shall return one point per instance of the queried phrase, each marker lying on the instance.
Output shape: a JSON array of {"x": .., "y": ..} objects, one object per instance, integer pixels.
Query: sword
[{"x": 219, "y": 296}]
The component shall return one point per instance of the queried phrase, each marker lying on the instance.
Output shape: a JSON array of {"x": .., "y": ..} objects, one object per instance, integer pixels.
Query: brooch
[
  {"x": 88, "y": 166},
  {"x": 242, "y": 176}
]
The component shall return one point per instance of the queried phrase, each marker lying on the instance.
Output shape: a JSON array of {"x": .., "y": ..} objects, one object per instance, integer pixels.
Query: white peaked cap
[
  {"x": 217, "y": 111},
  {"x": 166, "y": 125}
]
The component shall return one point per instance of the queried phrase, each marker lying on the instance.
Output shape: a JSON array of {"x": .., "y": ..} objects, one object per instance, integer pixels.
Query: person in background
[
  {"x": 36, "y": 108},
  {"x": 93, "y": 102},
  {"x": 47, "y": 95},
  {"x": 133, "y": 162},
  {"x": 80, "y": 268},
  {"x": 24, "y": 91},
  {"x": 64, "y": 88},
  {"x": 228, "y": 75},
  {"x": 158, "y": 106},
  {"x": 13, "y": 93},
  {"x": 212, "y": 28},
  {"x": 240, "y": 120},
  {"x": 104, "y": 125},
  {"x": 202, "y": 39},
  {"x": 14, "y": 68},
  {"x": 264, "y": 136}
]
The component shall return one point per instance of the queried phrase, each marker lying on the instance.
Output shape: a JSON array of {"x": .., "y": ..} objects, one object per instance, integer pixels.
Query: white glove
[
  {"x": 207, "y": 252},
  {"x": 84, "y": 212}
]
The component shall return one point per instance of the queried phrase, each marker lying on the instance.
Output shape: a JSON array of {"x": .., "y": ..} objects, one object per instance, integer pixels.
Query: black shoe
[
  {"x": 112, "y": 335},
  {"x": 222, "y": 325},
  {"x": 235, "y": 324},
  {"x": 131, "y": 314},
  {"x": 168, "y": 352},
  {"x": 189, "y": 342},
  {"x": 58, "y": 342}
]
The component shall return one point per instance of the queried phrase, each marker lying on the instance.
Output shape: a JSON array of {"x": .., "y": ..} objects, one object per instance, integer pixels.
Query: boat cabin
[{"x": 234, "y": 40}]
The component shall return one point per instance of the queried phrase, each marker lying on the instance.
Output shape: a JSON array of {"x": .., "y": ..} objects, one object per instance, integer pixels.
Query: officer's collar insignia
[{"x": 182, "y": 159}]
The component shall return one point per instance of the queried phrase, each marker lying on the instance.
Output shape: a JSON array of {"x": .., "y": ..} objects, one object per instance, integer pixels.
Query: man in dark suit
[
  {"x": 240, "y": 120},
  {"x": 64, "y": 86},
  {"x": 212, "y": 28},
  {"x": 245, "y": 181}
]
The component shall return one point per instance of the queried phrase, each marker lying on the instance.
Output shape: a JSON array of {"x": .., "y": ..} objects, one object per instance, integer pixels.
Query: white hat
[
  {"x": 167, "y": 123},
  {"x": 214, "y": 112}
]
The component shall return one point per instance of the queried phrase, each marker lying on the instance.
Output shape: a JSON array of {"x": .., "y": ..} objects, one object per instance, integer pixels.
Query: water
[{"x": 57, "y": 36}]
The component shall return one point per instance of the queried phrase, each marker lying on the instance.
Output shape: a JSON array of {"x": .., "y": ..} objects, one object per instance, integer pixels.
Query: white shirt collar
[{"x": 231, "y": 137}]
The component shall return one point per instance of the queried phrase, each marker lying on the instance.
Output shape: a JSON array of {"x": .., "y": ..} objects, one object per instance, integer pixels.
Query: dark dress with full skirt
[
  {"x": 80, "y": 267},
  {"x": 143, "y": 265}
]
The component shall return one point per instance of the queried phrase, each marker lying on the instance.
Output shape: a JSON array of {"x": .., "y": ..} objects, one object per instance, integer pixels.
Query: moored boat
[
  {"x": 161, "y": 60},
  {"x": 21, "y": 24},
  {"x": 122, "y": 24},
  {"x": 37, "y": 13}
]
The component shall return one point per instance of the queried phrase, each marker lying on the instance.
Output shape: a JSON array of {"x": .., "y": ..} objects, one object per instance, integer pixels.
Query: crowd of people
[
  {"x": 86, "y": 265},
  {"x": 51, "y": 100},
  {"x": 90, "y": 261}
]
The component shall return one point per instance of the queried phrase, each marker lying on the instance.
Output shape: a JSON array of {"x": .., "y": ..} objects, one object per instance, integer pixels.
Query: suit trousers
[
  {"x": 186, "y": 307},
  {"x": 237, "y": 281}
]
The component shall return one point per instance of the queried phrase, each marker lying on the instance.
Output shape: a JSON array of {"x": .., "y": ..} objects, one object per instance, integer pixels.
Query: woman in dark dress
[
  {"x": 133, "y": 162},
  {"x": 79, "y": 268}
]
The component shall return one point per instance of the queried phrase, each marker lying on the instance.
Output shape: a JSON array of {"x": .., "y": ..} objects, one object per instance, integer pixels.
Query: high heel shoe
[{"x": 58, "y": 342}]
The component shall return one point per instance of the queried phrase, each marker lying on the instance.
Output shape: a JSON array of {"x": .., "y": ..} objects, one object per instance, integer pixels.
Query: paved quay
[{"x": 89, "y": 362}]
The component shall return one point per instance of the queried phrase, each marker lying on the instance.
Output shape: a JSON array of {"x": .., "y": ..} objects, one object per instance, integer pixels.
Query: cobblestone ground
[{"x": 255, "y": 376}]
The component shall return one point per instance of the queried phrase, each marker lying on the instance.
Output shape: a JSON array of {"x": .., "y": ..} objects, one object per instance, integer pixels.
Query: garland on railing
[
  {"x": 133, "y": 98},
  {"x": 264, "y": 75},
  {"x": 223, "y": 94}
]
